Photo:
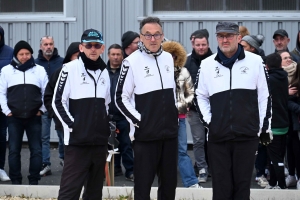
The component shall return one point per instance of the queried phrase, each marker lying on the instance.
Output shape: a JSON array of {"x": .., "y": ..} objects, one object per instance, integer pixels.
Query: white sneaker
[
  {"x": 269, "y": 187},
  {"x": 276, "y": 187},
  {"x": 197, "y": 185},
  {"x": 262, "y": 181},
  {"x": 3, "y": 176},
  {"x": 298, "y": 185},
  {"x": 45, "y": 171},
  {"x": 290, "y": 181},
  {"x": 286, "y": 172}
]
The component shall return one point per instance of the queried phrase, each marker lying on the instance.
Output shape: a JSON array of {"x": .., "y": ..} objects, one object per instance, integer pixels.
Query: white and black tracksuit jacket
[
  {"x": 21, "y": 93},
  {"x": 80, "y": 101},
  {"x": 145, "y": 94},
  {"x": 234, "y": 102}
]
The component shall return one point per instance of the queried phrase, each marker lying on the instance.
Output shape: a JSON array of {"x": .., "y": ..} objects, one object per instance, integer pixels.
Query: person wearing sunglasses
[
  {"x": 80, "y": 101},
  {"x": 145, "y": 94},
  {"x": 233, "y": 97}
]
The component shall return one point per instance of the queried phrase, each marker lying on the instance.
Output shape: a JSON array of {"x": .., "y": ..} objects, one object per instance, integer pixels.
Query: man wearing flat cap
[
  {"x": 80, "y": 101},
  {"x": 22, "y": 86},
  {"x": 233, "y": 98},
  {"x": 130, "y": 42},
  {"x": 281, "y": 40}
]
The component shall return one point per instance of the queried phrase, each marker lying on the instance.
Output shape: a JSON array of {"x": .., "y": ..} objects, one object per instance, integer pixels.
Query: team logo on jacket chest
[
  {"x": 102, "y": 81},
  {"x": 167, "y": 68},
  {"x": 148, "y": 73},
  {"x": 83, "y": 77},
  {"x": 244, "y": 70},
  {"x": 217, "y": 70}
]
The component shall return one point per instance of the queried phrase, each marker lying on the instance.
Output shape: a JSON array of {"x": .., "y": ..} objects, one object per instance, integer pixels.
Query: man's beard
[{"x": 48, "y": 53}]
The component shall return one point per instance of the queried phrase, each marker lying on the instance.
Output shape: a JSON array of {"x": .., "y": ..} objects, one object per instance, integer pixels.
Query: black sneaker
[{"x": 118, "y": 171}]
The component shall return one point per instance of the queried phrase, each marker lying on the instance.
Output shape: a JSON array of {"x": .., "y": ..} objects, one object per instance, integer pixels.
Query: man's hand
[
  {"x": 265, "y": 138},
  {"x": 39, "y": 113},
  {"x": 9, "y": 115}
]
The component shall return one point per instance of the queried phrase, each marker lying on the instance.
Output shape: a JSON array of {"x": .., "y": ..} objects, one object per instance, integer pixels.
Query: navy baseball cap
[
  {"x": 92, "y": 35},
  {"x": 227, "y": 27}
]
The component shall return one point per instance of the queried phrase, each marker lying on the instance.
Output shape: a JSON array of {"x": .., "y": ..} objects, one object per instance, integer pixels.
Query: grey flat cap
[{"x": 227, "y": 27}]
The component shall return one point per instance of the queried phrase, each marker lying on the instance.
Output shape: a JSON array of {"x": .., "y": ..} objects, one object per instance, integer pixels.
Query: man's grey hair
[{"x": 46, "y": 37}]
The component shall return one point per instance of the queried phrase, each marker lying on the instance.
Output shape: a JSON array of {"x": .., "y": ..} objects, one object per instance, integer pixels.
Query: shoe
[
  {"x": 290, "y": 181},
  {"x": 298, "y": 185},
  {"x": 46, "y": 170},
  {"x": 130, "y": 177},
  {"x": 3, "y": 176},
  {"x": 276, "y": 187},
  {"x": 197, "y": 185},
  {"x": 202, "y": 176},
  {"x": 262, "y": 181},
  {"x": 286, "y": 172},
  {"x": 62, "y": 162},
  {"x": 269, "y": 187},
  {"x": 118, "y": 171}
]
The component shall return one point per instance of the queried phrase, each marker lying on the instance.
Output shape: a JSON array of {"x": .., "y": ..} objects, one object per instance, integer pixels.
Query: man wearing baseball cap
[
  {"x": 233, "y": 97},
  {"x": 281, "y": 40},
  {"x": 22, "y": 87},
  {"x": 80, "y": 101}
]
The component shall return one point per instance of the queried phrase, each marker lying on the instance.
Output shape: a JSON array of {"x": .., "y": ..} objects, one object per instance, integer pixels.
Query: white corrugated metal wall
[{"x": 114, "y": 17}]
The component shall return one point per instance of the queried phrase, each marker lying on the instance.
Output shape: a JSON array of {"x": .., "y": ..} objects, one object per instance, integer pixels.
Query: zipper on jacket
[
  {"x": 163, "y": 96},
  {"x": 230, "y": 99},
  {"x": 95, "y": 84},
  {"x": 162, "y": 86},
  {"x": 25, "y": 97}
]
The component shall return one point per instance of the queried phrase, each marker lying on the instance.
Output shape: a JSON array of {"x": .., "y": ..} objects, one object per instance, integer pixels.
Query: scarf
[
  {"x": 199, "y": 58},
  {"x": 228, "y": 62},
  {"x": 22, "y": 67},
  {"x": 91, "y": 64},
  {"x": 290, "y": 69},
  {"x": 143, "y": 48}
]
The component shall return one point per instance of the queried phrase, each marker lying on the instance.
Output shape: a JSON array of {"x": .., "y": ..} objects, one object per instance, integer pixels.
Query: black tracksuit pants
[
  {"x": 276, "y": 153},
  {"x": 155, "y": 158},
  {"x": 231, "y": 164},
  {"x": 83, "y": 163}
]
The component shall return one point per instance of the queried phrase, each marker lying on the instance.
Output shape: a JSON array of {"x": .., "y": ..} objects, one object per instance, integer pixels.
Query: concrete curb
[{"x": 47, "y": 191}]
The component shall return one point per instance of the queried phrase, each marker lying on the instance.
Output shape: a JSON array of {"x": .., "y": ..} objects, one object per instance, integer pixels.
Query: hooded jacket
[
  {"x": 184, "y": 84},
  {"x": 51, "y": 65},
  {"x": 6, "y": 52},
  {"x": 296, "y": 52},
  {"x": 278, "y": 89}
]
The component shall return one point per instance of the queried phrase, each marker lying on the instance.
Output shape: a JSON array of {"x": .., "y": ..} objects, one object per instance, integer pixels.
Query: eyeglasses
[
  {"x": 288, "y": 57},
  {"x": 149, "y": 36},
  {"x": 90, "y": 45},
  {"x": 228, "y": 37}
]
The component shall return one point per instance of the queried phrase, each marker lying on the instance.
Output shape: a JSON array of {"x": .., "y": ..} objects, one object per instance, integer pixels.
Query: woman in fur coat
[{"x": 184, "y": 95}]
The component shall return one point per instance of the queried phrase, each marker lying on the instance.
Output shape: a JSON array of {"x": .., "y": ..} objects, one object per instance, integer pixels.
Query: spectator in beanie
[
  {"x": 72, "y": 54},
  {"x": 22, "y": 85},
  {"x": 130, "y": 42},
  {"x": 252, "y": 43},
  {"x": 6, "y": 54}
]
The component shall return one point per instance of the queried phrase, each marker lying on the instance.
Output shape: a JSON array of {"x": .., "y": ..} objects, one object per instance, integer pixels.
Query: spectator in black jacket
[
  {"x": 115, "y": 56},
  {"x": 72, "y": 53},
  {"x": 200, "y": 51},
  {"x": 22, "y": 86},
  {"x": 48, "y": 58},
  {"x": 278, "y": 82},
  {"x": 6, "y": 54}
]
